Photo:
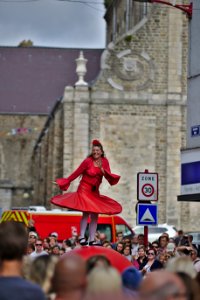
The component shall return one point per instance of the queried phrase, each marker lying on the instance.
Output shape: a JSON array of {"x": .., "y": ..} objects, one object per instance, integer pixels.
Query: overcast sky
[{"x": 53, "y": 23}]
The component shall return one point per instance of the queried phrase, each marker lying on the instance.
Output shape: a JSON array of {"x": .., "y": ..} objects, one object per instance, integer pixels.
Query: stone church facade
[{"x": 136, "y": 107}]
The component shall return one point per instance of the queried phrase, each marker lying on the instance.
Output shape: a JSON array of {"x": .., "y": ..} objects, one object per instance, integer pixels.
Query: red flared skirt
[{"x": 86, "y": 200}]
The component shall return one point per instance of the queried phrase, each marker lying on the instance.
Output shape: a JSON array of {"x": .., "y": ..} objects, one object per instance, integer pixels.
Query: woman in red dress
[{"x": 87, "y": 197}]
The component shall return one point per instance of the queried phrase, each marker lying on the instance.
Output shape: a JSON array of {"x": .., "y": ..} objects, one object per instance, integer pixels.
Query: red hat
[{"x": 96, "y": 143}]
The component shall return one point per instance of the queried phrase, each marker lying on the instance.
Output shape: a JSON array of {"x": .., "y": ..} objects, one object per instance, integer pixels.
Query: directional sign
[
  {"x": 147, "y": 186},
  {"x": 147, "y": 214}
]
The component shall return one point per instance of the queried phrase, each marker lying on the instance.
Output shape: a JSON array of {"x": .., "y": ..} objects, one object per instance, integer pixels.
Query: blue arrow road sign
[{"x": 147, "y": 214}]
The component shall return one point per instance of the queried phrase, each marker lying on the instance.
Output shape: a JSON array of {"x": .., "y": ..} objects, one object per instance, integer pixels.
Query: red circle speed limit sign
[
  {"x": 148, "y": 190},
  {"x": 147, "y": 186}
]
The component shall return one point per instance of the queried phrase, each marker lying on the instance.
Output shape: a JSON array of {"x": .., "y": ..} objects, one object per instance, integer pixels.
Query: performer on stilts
[{"x": 87, "y": 198}]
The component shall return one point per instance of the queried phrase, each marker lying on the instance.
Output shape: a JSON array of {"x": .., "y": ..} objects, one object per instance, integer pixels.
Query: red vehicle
[{"x": 66, "y": 223}]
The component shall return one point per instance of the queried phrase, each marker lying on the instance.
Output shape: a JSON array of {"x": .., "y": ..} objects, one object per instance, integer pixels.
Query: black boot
[
  {"x": 83, "y": 242},
  {"x": 94, "y": 243}
]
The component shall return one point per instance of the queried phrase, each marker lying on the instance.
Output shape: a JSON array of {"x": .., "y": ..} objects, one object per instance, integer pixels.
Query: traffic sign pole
[{"x": 146, "y": 235}]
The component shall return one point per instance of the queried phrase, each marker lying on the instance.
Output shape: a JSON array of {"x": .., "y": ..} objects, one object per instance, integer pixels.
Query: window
[{"x": 121, "y": 227}]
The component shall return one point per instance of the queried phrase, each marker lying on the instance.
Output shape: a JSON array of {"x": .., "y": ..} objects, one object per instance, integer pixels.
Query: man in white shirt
[{"x": 39, "y": 250}]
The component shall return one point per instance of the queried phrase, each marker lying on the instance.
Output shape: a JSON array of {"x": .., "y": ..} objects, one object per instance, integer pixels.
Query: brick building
[{"x": 136, "y": 107}]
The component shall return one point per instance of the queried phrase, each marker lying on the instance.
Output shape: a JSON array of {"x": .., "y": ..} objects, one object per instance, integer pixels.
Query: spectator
[
  {"x": 163, "y": 242},
  {"x": 61, "y": 251},
  {"x": 41, "y": 271},
  {"x": 32, "y": 237},
  {"x": 140, "y": 239},
  {"x": 52, "y": 241},
  {"x": 69, "y": 279},
  {"x": 179, "y": 237},
  {"x": 54, "y": 234},
  {"x": 134, "y": 246},
  {"x": 107, "y": 244},
  {"x": 142, "y": 257},
  {"x": 181, "y": 264},
  {"x": 102, "y": 238},
  {"x": 193, "y": 245},
  {"x": 185, "y": 246},
  {"x": 67, "y": 244},
  {"x": 30, "y": 248},
  {"x": 31, "y": 226},
  {"x": 39, "y": 250},
  {"x": 97, "y": 237},
  {"x": 127, "y": 252},
  {"x": 155, "y": 245},
  {"x": 119, "y": 238},
  {"x": 195, "y": 259},
  {"x": 152, "y": 263},
  {"x": 131, "y": 280},
  {"x": 163, "y": 285},
  {"x": 55, "y": 250},
  {"x": 13, "y": 247},
  {"x": 163, "y": 258},
  {"x": 46, "y": 243},
  {"x": 119, "y": 247},
  {"x": 191, "y": 285},
  {"x": 74, "y": 239},
  {"x": 97, "y": 261},
  {"x": 171, "y": 251},
  {"x": 104, "y": 283},
  {"x": 127, "y": 241}
]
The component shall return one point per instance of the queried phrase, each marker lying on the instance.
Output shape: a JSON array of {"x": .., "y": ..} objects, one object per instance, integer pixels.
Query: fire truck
[{"x": 65, "y": 223}]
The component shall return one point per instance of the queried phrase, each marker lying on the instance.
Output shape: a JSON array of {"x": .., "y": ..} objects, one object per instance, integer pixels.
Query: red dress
[{"x": 87, "y": 197}]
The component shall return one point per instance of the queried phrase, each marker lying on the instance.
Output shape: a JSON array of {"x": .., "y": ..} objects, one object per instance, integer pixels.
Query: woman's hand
[{"x": 143, "y": 271}]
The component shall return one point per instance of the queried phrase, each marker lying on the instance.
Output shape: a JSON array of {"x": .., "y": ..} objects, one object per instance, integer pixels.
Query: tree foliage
[{"x": 26, "y": 43}]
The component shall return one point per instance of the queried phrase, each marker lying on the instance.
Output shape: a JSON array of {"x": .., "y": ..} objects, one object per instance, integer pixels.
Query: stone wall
[{"x": 18, "y": 136}]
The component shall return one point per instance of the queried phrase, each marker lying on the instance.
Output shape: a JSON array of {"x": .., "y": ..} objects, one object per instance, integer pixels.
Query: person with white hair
[
  {"x": 181, "y": 264},
  {"x": 104, "y": 282}
]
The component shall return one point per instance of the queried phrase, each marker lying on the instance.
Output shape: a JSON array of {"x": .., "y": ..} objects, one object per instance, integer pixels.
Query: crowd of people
[{"x": 35, "y": 268}]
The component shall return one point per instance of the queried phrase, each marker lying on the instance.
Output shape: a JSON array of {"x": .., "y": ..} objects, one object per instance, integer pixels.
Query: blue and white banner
[{"x": 190, "y": 171}]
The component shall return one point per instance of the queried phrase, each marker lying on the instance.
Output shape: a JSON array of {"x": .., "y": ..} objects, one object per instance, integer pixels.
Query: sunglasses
[
  {"x": 38, "y": 244},
  {"x": 150, "y": 253}
]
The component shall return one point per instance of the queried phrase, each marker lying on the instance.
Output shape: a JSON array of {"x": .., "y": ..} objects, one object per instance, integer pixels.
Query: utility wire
[{"x": 17, "y": 1}]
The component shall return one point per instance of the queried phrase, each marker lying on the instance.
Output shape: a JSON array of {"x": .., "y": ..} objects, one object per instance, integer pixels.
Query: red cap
[{"x": 96, "y": 143}]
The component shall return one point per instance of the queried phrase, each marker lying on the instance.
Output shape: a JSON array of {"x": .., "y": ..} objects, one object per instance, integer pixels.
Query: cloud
[{"x": 53, "y": 23}]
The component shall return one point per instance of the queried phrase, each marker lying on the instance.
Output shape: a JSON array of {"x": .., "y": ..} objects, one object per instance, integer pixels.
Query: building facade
[{"x": 136, "y": 107}]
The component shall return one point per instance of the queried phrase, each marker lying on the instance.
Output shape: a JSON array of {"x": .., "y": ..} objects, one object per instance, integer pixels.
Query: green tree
[{"x": 26, "y": 43}]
